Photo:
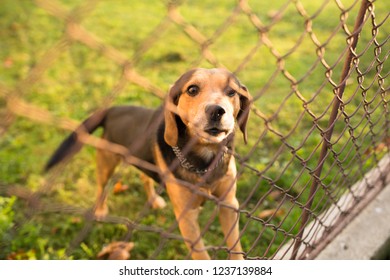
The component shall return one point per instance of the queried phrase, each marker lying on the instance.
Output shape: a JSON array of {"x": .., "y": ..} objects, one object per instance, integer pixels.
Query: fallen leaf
[
  {"x": 381, "y": 147},
  {"x": 271, "y": 213},
  {"x": 76, "y": 220},
  {"x": 8, "y": 62},
  {"x": 276, "y": 194},
  {"x": 119, "y": 188},
  {"x": 116, "y": 251},
  {"x": 19, "y": 255}
]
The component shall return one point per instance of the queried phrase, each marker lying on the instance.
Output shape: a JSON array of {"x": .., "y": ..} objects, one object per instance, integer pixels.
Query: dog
[{"x": 190, "y": 139}]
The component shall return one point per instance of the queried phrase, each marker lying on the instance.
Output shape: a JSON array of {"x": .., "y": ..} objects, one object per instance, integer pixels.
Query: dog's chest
[{"x": 206, "y": 179}]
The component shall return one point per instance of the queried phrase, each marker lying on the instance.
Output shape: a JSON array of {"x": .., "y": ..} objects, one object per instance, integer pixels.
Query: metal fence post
[{"x": 327, "y": 135}]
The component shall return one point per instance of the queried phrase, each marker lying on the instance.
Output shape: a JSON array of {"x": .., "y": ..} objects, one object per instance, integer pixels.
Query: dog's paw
[
  {"x": 101, "y": 213},
  {"x": 158, "y": 202}
]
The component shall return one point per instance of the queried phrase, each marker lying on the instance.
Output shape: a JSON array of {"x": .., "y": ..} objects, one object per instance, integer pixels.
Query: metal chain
[{"x": 190, "y": 167}]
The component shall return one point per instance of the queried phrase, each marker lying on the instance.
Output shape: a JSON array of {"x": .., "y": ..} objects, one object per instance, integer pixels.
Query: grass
[{"x": 79, "y": 80}]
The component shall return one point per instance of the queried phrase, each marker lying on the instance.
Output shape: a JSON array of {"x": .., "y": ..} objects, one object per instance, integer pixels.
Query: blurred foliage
[{"x": 80, "y": 78}]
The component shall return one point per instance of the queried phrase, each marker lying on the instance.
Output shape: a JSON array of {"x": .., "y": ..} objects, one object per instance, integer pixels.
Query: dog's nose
[{"x": 215, "y": 112}]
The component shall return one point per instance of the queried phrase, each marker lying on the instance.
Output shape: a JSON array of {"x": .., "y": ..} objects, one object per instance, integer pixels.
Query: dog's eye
[
  {"x": 193, "y": 90},
  {"x": 231, "y": 93}
]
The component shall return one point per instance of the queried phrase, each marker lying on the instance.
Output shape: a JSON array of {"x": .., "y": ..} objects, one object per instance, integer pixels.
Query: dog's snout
[{"x": 215, "y": 112}]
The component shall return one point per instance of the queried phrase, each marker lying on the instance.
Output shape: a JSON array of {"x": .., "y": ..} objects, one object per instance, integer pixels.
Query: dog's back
[
  {"x": 129, "y": 126},
  {"x": 134, "y": 128}
]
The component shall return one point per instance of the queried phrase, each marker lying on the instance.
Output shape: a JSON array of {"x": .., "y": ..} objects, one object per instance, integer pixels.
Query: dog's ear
[
  {"x": 243, "y": 114},
  {"x": 171, "y": 132}
]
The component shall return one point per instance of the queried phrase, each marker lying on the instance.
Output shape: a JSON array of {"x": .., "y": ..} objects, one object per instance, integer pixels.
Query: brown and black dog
[{"x": 187, "y": 139}]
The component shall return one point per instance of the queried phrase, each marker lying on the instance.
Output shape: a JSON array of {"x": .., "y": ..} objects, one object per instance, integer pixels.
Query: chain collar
[{"x": 190, "y": 167}]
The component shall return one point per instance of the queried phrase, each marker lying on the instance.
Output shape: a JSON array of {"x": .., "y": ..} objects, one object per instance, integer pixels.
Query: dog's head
[{"x": 209, "y": 102}]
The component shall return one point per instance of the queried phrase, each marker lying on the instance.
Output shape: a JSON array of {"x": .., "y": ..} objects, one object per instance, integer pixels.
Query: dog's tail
[{"x": 71, "y": 145}]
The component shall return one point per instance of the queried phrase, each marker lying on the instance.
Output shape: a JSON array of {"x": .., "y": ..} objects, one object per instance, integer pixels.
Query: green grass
[{"x": 79, "y": 80}]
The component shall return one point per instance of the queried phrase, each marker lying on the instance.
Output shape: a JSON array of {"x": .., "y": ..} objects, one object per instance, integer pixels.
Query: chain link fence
[{"x": 318, "y": 134}]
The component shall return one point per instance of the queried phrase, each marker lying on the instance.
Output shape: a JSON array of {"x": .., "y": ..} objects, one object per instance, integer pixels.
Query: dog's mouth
[
  {"x": 215, "y": 131},
  {"x": 212, "y": 134}
]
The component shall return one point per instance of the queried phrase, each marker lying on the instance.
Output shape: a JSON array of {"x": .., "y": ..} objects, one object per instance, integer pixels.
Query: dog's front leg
[
  {"x": 186, "y": 206},
  {"x": 229, "y": 217},
  {"x": 228, "y": 212}
]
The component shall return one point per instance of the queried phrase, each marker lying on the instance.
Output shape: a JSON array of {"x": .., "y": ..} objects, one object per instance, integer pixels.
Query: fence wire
[{"x": 318, "y": 136}]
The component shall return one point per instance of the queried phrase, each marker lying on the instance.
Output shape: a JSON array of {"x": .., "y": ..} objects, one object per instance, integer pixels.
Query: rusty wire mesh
[{"x": 315, "y": 130}]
